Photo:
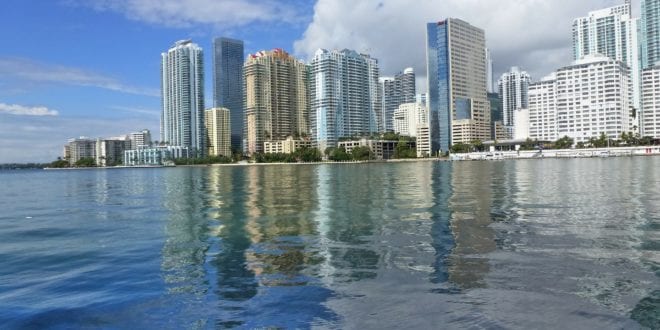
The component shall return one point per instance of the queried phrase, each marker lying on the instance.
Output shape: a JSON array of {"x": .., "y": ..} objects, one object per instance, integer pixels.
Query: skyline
[{"x": 100, "y": 75}]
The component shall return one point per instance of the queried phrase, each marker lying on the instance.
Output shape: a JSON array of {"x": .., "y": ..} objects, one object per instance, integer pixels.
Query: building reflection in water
[
  {"x": 461, "y": 219},
  {"x": 183, "y": 254},
  {"x": 227, "y": 197}
]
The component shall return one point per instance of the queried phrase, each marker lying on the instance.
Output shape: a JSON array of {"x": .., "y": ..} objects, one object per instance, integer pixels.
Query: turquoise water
[{"x": 514, "y": 244}]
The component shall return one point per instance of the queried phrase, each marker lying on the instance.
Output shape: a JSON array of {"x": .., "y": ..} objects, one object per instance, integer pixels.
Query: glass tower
[
  {"x": 650, "y": 31},
  {"x": 182, "y": 87},
  {"x": 228, "y": 58}
]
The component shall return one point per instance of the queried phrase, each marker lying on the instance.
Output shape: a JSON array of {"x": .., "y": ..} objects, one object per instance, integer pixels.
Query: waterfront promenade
[{"x": 559, "y": 153}]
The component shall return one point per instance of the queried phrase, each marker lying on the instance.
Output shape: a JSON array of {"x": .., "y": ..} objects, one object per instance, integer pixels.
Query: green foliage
[
  {"x": 60, "y": 163},
  {"x": 86, "y": 162},
  {"x": 477, "y": 145},
  {"x": 404, "y": 151},
  {"x": 338, "y": 154},
  {"x": 308, "y": 155},
  {"x": 460, "y": 148},
  {"x": 203, "y": 160},
  {"x": 361, "y": 153},
  {"x": 564, "y": 143},
  {"x": 529, "y": 144}
]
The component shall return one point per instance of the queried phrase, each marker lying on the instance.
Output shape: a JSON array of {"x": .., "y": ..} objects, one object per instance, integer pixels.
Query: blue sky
[
  {"x": 72, "y": 68},
  {"x": 78, "y": 68}
]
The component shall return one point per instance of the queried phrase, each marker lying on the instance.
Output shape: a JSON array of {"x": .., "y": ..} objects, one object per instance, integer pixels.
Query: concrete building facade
[
  {"x": 276, "y": 98},
  {"x": 218, "y": 130}
]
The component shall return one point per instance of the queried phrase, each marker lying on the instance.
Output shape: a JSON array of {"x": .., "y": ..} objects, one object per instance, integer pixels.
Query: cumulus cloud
[
  {"x": 532, "y": 34},
  {"x": 187, "y": 13},
  {"x": 20, "y": 110},
  {"x": 17, "y": 70}
]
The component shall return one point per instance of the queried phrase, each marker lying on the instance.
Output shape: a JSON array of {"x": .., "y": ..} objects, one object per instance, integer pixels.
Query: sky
[{"x": 71, "y": 68}]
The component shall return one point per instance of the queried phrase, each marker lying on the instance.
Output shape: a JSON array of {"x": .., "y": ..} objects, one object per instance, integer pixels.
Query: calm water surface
[{"x": 510, "y": 245}]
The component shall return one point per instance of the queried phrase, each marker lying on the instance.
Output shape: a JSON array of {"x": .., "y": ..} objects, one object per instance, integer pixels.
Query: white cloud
[
  {"x": 532, "y": 34},
  {"x": 188, "y": 13},
  {"x": 17, "y": 70},
  {"x": 41, "y": 139},
  {"x": 20, "y": 110}
]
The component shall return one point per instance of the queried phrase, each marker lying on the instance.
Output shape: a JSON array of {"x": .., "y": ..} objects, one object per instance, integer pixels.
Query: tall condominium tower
[
  {"x": 543, "y": 109},
  {"x": 456, "y": 64},
  {"x": 228, "y": 83},
  {"x": 611, "y": 32},
  {"x": 651, "y": 102},
  {"x": 396, "y": 91},
  {"x": 182, "y": 87},
  {"x": 276, "y": 98},
  {"x": 513, "y": 87},
  {"x": 218, "y": 131},
  {"x": 342, "y": 96},
  {"x": 650, "y": 30}
]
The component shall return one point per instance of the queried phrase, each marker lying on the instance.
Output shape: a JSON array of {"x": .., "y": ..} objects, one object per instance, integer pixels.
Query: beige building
[
  {"x": 218, "y": 131},
  {"x": 288, "y": 146},
  {"x": 423, "y": 140},
  {"x": 276, "y": 98}
]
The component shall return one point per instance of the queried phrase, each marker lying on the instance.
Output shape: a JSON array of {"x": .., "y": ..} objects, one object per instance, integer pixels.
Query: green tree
[
  {"x": 59, "y": 163},
  {"x": 86, "y": 162},
  {"x": 460, "y": 148},
  {"x": 564, "y": 143},
  {"x": 338, "y": 154},
  {"x": 306, "y": 154},
  {"x": 477, "y": 145},
  {"x": 362, "y": 153},
  {"x": 403, "y": 151}
]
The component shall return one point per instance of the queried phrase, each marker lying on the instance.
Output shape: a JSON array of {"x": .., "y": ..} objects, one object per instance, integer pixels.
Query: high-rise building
[
  {"x": 651, "y": 102},
  {"x": 497, "y": 130},
  {"x": 611, "y": 32},
  {"x": 457, "y": 74},
  {"x": 110, "y": 151},
  {"x": 80, "y": 148},
  {"x": 276, "y": 98},
  {"x": 593, "y": 97},
  {"x": 228, "y": 58},
  {"x": 343, "y": 96},
  {"x": 543, "y": 109},
  {"x": 586, "y": 99},
  {"x": 182, "y": 84},
  {"x": 489, "y": 72},
  {"x": 513, "y": 87},
  {"x": 396, "y": 91},
  {"x": 407, "y": 117},
  {"x": 218, "y": 130},
  {"x": 650, "y": 33}
]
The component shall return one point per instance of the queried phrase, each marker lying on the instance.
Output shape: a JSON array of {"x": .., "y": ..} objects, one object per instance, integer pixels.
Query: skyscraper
[
  {"x": 489, "y": 72},
  {"x": 343, "y": 95},
  {"x": 513, "y": 87},
  {"x": 611, "y": 32},
  {"x": 651, "y": 102},
  {"x": 276, "y": 98},
  {"x": 182, "y": 84},
  {"x": 228, "y": 83},
  {"x": 650, "y": 30},
  {"x": 218, "y": 130},
  {"x": 396, "y": 91},
  {"x": 459, "y": 110}
]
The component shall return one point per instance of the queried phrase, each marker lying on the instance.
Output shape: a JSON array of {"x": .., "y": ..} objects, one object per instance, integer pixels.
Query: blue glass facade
[
  {"x": 228, "y": 58},
  {"x": 438, "y": 63}
]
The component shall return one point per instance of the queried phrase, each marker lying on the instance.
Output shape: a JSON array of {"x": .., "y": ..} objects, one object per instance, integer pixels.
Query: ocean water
[{"x": 553, "y": 244}]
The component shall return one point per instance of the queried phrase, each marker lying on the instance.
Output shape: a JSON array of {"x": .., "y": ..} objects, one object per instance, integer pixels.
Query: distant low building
[
  {"x": 139, "y": 139},
  {"x": 80, "y": 148},
  {"x": 110, "y": 152},
  {"x": 288, "y": 146},
  {"x": 154, "y": 156},
  {"x": 382, "y": 149}
]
